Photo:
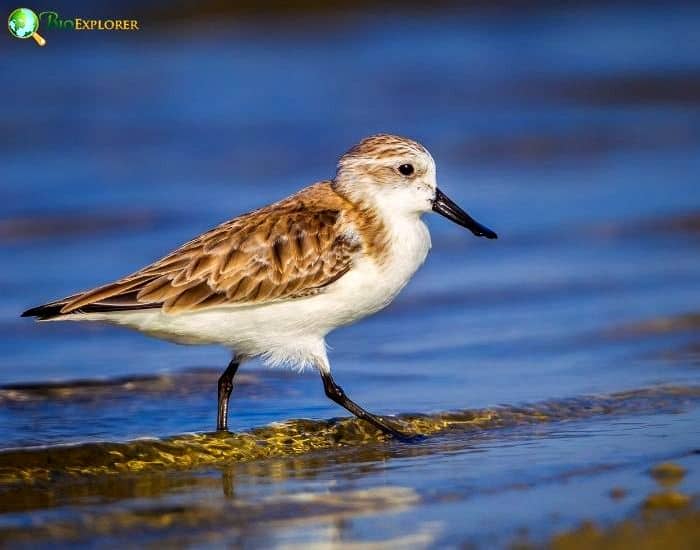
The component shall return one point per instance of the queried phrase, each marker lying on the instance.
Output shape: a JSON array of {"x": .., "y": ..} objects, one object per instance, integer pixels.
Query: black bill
[{"x": 445, "y": 207}]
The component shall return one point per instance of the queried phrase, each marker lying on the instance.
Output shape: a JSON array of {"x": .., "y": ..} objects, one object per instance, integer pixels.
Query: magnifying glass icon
[{"x": 24, "y": 23}]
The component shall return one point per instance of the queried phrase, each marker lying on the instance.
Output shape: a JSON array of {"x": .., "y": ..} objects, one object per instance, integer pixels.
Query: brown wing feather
[{"x": 288, "y": 250}]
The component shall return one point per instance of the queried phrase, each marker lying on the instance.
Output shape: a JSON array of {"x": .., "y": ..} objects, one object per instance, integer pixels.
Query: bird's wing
[{"x": 289, "y": 250}]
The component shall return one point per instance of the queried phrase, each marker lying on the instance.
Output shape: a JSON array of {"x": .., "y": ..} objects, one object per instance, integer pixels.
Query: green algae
[{"x": 296, "y": 437}]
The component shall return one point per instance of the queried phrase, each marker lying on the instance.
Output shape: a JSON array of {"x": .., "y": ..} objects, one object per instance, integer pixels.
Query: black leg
[
  {"x": 225, "y": 388},
  {"x": 336, "y": 393}
]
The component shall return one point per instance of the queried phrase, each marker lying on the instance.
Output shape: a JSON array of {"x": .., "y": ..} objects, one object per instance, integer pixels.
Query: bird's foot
[{"x": 399, "y": 435}]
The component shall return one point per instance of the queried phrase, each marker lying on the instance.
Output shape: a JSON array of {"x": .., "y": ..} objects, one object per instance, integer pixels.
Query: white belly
[{"x": 291, "y": 331}]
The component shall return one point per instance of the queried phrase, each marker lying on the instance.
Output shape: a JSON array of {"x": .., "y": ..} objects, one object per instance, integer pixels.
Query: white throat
[{"x": 409, "y": 240}]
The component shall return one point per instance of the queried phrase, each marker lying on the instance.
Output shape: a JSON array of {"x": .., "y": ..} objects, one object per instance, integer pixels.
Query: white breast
[{"x": 374, "y": 282}]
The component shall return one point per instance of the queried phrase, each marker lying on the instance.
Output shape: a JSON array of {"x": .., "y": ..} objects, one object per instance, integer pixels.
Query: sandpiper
[{"x": 274, "y": 282}]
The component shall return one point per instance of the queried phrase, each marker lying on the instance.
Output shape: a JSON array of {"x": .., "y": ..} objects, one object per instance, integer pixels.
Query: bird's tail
[{"x": 56, "y": 309}]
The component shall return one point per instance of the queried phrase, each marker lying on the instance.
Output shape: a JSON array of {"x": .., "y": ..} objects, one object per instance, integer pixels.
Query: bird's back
[{"x": 283, "y": 251}]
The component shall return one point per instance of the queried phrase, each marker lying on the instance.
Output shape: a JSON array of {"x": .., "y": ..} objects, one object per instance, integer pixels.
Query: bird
[{"x": 272, "y": 283}]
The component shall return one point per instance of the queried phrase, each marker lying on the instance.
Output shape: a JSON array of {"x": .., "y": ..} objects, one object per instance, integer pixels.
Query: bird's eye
[{"x": 406, "y": 169}]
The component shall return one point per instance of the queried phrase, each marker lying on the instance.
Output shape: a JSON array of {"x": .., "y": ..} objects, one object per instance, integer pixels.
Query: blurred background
[{"x": 571, "y": 130}]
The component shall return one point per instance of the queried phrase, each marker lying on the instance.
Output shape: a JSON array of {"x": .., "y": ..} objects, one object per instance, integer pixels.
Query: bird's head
[{"x": 397, "y": 175}]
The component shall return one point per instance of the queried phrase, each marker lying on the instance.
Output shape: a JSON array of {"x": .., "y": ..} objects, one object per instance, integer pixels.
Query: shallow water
[{"x": 575, "y": 135}]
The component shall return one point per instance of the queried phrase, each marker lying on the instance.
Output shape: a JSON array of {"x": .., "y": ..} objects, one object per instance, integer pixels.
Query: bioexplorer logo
[{"x": 24, "y": 23}]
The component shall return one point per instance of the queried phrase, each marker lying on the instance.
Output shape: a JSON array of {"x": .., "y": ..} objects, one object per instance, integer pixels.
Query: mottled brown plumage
[{"x": 287, "y": 250}]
